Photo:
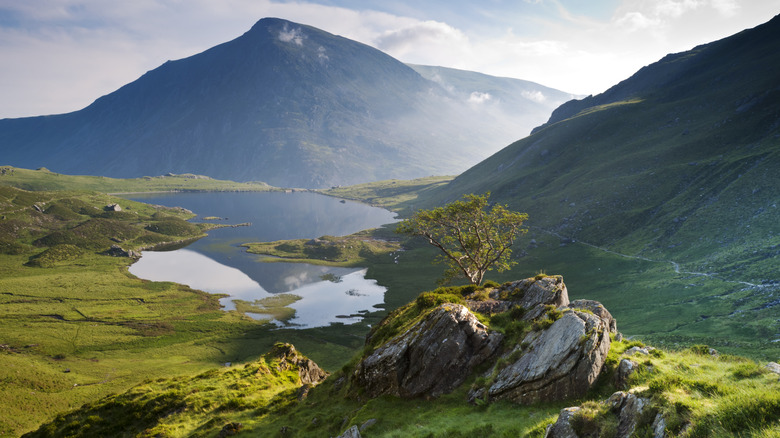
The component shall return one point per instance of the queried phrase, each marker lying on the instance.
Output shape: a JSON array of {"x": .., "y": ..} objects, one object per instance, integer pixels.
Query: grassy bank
[{"x": 43, "y": 179}]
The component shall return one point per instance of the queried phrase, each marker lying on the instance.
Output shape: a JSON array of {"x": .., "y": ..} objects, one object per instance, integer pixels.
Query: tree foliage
[{"x": 473, "y": 236}]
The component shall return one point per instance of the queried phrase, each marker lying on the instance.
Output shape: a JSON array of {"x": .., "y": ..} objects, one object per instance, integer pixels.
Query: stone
[
  {"x": 352, "y": 432},
  {"x": 641, "y": 350},
  {"x": 534, "y": 294},
  {"x": 628, "y": 408},
  {"x": 431, "y": 358},
  {"x": 117, "y": 251},
  {"x": 289, "y": 358},
  {"x": 562, "y": 427},
  {"x": 558, "y": 363},
  {"x": 597, "y": 309},
  {"x": 659, "y": 426},
  {"x": 773, "y": 367},
  {"x": 625, "y": 368},
  {"x": 368, "y": 423}
]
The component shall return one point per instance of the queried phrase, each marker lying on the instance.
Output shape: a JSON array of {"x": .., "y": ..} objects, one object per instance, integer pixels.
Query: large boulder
[
  {"x": 558, "y": 363},
  {"x": 431, "y": 358}
]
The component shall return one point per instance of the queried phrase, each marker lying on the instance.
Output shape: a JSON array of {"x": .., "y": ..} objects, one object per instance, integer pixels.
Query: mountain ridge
[{"x": 284, "y": 103}]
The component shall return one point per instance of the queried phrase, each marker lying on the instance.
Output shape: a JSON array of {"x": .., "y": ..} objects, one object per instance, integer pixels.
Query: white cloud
[
  {"x": 536, "y": 96},
  {"x": 479, "y": 97},
  {"x": 294, "y": 35},
  {"x": 60, "y": 55},
  {"x": 633, "y": 21},
  {"x": 420, "y": 36}
]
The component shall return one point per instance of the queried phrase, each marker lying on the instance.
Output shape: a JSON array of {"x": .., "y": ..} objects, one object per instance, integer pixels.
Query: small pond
[{"x": 217, "y": 264}]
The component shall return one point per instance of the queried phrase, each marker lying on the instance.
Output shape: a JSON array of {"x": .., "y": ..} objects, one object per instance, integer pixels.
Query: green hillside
[
  {"x": 696, "y": 391},
  {"x": 44, "y": 179},
  {"x": 662, "y": 192}
]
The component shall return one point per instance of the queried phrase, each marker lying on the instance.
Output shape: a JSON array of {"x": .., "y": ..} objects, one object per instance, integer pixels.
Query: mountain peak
[{"x": 284, "y": 103}]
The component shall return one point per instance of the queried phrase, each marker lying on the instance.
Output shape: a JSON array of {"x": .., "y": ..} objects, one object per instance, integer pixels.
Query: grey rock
[
  {"x": 534, "y": 294},
  {"x": 562, "y": 427},
  {"x": 352, "y": 432},
  {"x": 431, "y": 358},
  {"x": 559, "y": 363},
  {"x": 628, "y": 408},
  {"x": 773, "y": 367},
  {"x": 118, "y": 251},
  {"x": 543, "y": 292},
  {"x": 641, "y": 350},
  {"x": 289, "y": 358},
  {"x": 597, "y": 309},
  {"x": 659, "y": 426},
  {"x": 368, "y": 423},
  {"x": 625, "y": 368}
]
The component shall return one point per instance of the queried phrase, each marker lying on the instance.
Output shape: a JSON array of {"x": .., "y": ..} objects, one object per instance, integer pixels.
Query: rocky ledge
[{"x": 560, "y": 354}]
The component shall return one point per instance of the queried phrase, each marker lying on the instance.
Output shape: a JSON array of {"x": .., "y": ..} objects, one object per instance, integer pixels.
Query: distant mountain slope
[
  {"x": 284, "y": 103},
  {"x": 681, "y": 162},
  {"x": 526, "y": 103}
]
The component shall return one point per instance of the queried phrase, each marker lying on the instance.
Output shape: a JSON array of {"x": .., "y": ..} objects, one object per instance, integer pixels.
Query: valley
[{"x": 656, "y": 199}]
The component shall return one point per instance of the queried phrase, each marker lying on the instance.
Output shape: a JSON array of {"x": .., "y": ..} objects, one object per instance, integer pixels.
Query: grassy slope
[
  {"x": 699, "y": 394},
  {"x": 676, "y": 165},
  {"x": 76, "y": 326},
  {"x": 43, "y": 179},
  {"x": 395, "y": 195}
]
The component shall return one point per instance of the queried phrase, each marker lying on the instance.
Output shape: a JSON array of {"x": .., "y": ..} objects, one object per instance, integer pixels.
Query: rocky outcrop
[
  {"x": 289, "y": 358},
  {"x": 535, "y": 294},
  {"x": 431, "y": 358},
  {"x": 597, "y": 309},
  {"x": 532, "y": 294},
  {"x": 558, "y": 363},
  {"x": 561, "y": 358},
  {"x": 628, "y": 409}
]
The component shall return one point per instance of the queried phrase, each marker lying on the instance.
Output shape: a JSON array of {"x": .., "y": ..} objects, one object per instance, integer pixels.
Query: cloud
[
  {"x": 60, "y": 55},
  {"x": 479, "y": 97},
  {"x": 424, "y": 35},
  {"x": 294, "y": 35},
  {"x": 536, "y": 96}
]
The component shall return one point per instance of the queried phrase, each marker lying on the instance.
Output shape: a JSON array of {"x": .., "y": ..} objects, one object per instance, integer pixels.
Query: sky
[{"x": 58, "y": 56}]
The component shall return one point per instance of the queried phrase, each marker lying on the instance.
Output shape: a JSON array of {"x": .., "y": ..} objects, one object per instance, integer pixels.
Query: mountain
[
  {"x": 284, "y": 103},
  {"x": 674, "y": 174}
]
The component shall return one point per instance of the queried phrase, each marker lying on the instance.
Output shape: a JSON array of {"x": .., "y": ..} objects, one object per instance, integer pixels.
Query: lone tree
[{"x": 474, "y": 239}]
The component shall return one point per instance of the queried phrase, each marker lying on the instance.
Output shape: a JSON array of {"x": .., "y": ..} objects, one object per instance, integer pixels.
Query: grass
[
  {"x": 698, "y": 394},
  {"x": 43, "y": 179},
  {"x": 396, "y": 195},
  {"x": 75, "y": 326},
  {"x": 357, "y": 249}
]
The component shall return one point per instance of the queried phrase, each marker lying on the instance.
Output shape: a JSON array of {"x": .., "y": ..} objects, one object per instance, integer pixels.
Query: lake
[{"x": 217, "y": 264}]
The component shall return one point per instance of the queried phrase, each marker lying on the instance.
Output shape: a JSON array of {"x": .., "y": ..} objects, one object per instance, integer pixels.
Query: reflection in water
[
  {"x": 322, "y": 302},
  {"x": 198, "y": 272},
  {"x": 216, "y": 264}
]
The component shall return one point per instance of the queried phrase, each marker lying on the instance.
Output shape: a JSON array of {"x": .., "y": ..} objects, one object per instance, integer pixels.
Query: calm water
[{"x": 217, "y": 264}]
